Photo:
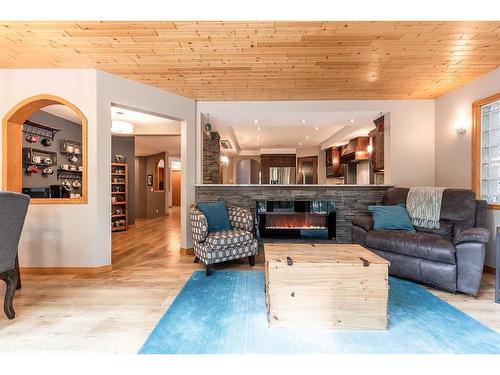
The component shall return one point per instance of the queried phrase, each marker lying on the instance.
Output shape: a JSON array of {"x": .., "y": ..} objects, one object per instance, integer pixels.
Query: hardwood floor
[{"x": 115, "y": 311}]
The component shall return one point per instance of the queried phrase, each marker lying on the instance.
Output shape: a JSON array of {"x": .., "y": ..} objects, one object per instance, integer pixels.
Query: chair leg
[
  {"x": 208, "y": 270},
  {"x": 11, "y": 282},
  {"x": 19, "y": 286},
  {"x": 196, "y": 259},
  {"x": 251, "y": 260}
]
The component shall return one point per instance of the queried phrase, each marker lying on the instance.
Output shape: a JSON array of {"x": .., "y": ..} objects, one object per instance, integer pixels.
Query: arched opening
[
  {"x": 48, "y": 153},
  {"x": 247, "y": 171},
  {"x": 160, "y": 176}
]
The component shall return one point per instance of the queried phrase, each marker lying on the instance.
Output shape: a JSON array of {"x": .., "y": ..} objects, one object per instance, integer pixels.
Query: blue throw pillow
[
  {"x": 216, "y": 214},
  {"x": 391, "y": 217}
]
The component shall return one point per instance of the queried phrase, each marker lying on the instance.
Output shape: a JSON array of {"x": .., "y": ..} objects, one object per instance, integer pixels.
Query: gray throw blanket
[{"x": 424, "y": 206}]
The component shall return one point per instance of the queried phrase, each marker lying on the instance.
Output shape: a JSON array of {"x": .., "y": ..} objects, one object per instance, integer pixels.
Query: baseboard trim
[
  {"x": 65, "y": 270},
  {"x": 188, "y": 251},
  {"x": 489, "y": 269}
]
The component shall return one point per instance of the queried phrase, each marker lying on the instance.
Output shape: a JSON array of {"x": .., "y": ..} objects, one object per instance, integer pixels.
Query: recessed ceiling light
[
  {"x": 307, "y": 137},
  {"x": 352, "y": 120},
  {"x": 300, "y": 143},
  {"x": 303, "y": 121},
  {"x": 258, "y": 127},
  {"x": 255, "y": 121},
  {"x": 316, "y": 128}
]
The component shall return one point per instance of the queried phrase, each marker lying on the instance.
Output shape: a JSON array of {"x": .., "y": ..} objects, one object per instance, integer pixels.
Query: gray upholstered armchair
[
  {"x": 13, "y": 209},
  {"x": 216, "y": 247}
]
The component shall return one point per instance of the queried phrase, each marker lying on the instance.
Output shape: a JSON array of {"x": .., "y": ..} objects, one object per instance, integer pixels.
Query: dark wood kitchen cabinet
[
  {"x": 333, "y": 167},
  {"x": 275, "y": 160},
  {"x": 377, "y": 136}
]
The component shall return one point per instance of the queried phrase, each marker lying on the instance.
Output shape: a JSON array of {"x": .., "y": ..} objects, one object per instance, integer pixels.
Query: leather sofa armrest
[
  {"x": 472, "y": 235},
  {"x": 364, "y": 221}
]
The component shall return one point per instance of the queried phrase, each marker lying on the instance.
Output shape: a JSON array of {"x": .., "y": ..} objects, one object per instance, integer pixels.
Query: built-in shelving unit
[{"x": 119, "y": 196}]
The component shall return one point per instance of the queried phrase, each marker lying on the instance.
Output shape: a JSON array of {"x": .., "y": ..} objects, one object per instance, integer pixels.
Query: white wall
[
  {"x": 120, "y": 91},
  {"x": 63, "y": 235},
  {"x": 410, "y": 141},
  {"x": 80, "y": 235},
  {"x": 453, "y": 153}
]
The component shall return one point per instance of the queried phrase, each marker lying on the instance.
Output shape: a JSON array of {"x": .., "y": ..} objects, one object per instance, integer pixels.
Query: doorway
[
  {"x": 147, "y": 148},
  {"x": 176, "y": 187}
]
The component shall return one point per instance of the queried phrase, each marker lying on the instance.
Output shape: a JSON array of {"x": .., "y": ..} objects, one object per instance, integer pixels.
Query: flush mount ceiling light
[
  {"x": 258, "y": 127},
  {"x": 316, "y": 128},
  {"x": 304, "y": 121},
  {"x": 122, "y": 127},
  {"x": 255, "y": 121},
  {"x": 351, "y": 120}
]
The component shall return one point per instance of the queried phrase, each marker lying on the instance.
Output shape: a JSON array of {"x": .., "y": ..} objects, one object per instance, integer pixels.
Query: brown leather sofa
[{"x": 450, "y": 258}]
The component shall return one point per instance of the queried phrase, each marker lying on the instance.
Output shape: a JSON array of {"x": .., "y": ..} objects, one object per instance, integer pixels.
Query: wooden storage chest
[{"x": 342, "y": 286}]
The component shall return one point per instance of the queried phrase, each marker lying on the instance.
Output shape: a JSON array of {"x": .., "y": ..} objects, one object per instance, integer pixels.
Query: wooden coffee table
[{"x": 341, "y": 286}]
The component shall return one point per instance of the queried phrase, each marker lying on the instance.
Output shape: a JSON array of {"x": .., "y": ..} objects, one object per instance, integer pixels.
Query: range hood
[{"x": 356, "y": 150}]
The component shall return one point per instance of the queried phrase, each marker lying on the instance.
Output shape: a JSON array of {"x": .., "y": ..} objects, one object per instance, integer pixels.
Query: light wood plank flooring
[{"x": 115, "y": 311}]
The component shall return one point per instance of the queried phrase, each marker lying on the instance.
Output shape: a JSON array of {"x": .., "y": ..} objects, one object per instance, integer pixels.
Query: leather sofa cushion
[{"x": 414, "y": 244}]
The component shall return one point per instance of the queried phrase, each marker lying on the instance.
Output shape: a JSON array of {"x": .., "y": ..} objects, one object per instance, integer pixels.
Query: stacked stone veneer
[
  {"x": 211, "y": 159},
  {"x": 350, "y": 200}
]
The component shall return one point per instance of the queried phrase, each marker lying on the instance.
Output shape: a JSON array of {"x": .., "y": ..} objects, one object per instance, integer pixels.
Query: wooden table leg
[{"x": 18, "y": 274}]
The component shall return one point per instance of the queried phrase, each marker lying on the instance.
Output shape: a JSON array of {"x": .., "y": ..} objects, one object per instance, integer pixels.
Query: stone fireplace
[{"x": 350, "y": 200}]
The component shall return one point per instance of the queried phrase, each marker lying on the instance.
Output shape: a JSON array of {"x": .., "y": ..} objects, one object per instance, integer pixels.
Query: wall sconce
[
  {"x": 224, "y": 159},
  {"x": 460, "y": 128},
  {"x": 369, "y": 149}
]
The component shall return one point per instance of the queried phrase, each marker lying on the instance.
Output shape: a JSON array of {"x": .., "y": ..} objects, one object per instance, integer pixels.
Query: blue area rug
[{"x": 226, "y": 313}]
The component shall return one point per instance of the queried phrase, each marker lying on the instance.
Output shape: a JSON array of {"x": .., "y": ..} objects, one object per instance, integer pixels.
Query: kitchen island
[{"x": 350, "y": 200}]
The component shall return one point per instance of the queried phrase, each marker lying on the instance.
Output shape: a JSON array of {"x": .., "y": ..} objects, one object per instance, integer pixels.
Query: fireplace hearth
[{"x": 296, "y": 219}]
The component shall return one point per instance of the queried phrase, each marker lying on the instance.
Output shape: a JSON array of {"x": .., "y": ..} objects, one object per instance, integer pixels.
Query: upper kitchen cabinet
[
  {"x": 333, "y": 167},
  {"x": 377, "y": 138}
]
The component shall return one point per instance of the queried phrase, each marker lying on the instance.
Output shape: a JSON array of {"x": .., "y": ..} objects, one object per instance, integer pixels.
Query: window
[{"x": 486, "y": 150}]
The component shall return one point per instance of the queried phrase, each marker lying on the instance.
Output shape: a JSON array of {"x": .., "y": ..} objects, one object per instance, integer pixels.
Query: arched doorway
[{"x": 13, "y": 161}]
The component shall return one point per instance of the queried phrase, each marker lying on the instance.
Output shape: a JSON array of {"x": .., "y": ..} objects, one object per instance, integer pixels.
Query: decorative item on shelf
[
  {"x": 73, "y": 158},
  {"x": 40, "y": 157},
  {"x": 32, "y": 169},
  {"x": 47, "y": 142},
  {"x": 70, "y": 147},
  {"x": 48, "y": 171},
  {"x": 73, "y": 168},
  {"x": 65, "y": 167},
  {"x": 32, "y": 138},
  {"x": 63, "y": 174},
  {"x": 119, "y": 195},
  {"x": 120, "y": 158},
  {"x": 80, "y": 168},
  {"x": 150, "y": 180},
  {"x": 67, "y": 185},
  {"x": 34, "y": 131},
  {"x": 76, "y": 184}
]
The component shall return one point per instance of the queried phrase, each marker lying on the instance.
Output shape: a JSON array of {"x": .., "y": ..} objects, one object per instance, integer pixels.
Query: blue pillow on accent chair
[
  {"x": 216, "y": 214},
  {"x": 391, "y": 218}
]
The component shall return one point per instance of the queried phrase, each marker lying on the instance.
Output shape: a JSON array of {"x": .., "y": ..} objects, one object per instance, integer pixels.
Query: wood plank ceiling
[{"x": 266, "y": 60}]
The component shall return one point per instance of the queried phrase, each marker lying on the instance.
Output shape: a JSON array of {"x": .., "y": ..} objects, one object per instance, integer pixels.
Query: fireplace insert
[{"x": 296, "y": 219}]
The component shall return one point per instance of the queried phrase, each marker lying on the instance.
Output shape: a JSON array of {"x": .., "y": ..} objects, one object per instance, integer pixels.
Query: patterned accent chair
[{"x": 217, "y": 247}]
